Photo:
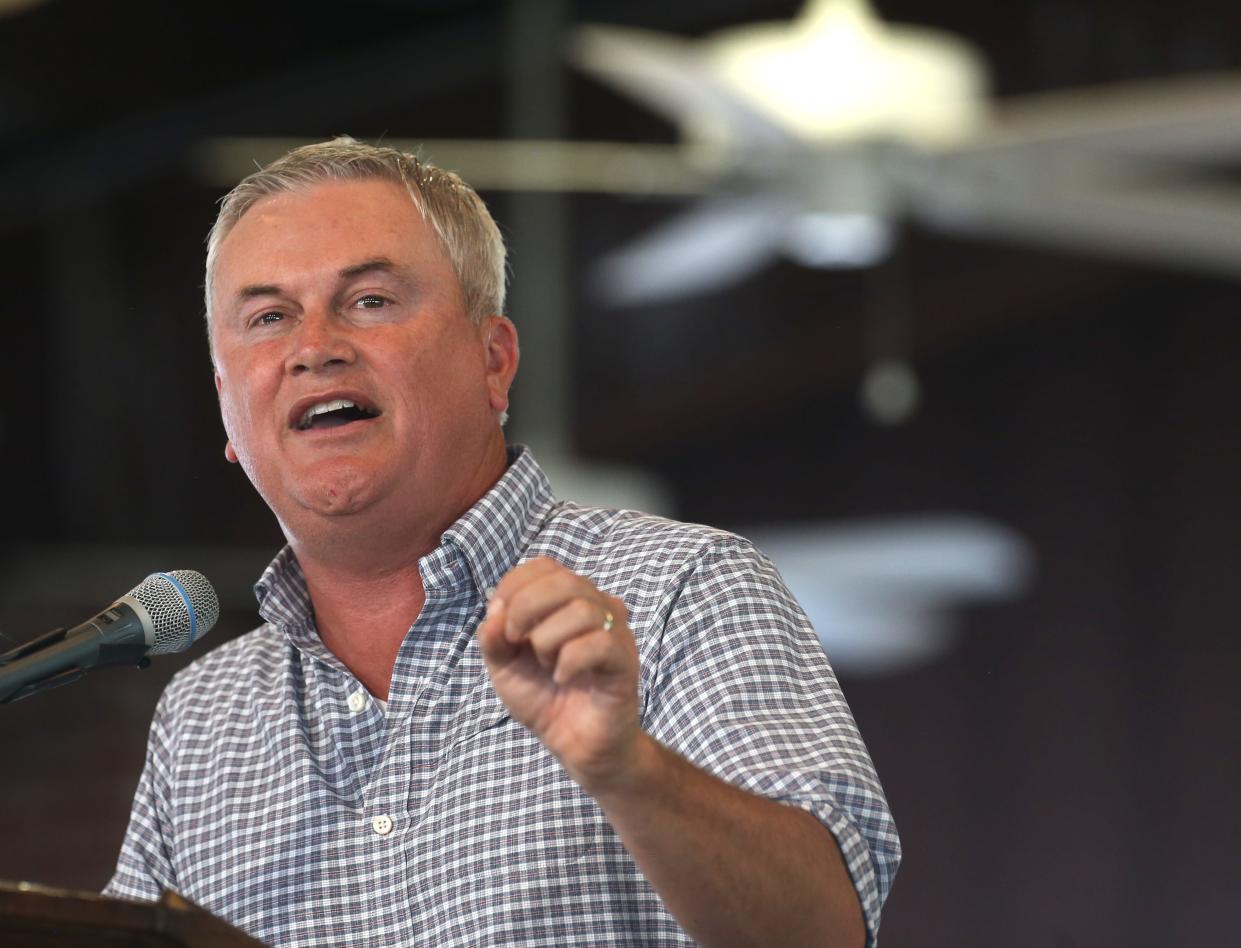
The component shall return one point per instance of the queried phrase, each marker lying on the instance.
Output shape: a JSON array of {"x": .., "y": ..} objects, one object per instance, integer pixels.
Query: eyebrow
[
  {"x": 376, "y": 264},
  {"x": 382, "y": 264},
  {"x": 257, "y": 289}
]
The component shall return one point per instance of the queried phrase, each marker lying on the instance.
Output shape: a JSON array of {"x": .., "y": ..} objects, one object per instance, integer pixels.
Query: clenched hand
[{"x": 563, "y": 660}]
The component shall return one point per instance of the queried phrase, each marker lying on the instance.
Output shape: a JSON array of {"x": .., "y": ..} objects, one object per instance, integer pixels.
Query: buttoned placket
[{"x": 394, "y": 800}]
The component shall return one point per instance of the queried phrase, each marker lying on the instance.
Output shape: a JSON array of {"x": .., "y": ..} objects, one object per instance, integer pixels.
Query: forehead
[{"x": 322, "y": 228}]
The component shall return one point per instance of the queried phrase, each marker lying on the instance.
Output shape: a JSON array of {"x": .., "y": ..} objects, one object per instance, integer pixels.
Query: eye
[
  {"x": 371, "y": 301},
  {"x": 268, "y": 318}
]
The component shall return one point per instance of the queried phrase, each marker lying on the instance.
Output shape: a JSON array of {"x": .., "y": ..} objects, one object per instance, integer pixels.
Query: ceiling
[{"x": 103, "y": 112}]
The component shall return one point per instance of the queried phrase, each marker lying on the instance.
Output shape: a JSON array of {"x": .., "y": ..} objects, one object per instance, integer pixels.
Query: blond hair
[{"x": 454, "y": 210}]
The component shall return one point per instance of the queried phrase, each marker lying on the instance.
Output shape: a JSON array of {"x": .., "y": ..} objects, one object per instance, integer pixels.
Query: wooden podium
[{"x": 32, "y": 916}]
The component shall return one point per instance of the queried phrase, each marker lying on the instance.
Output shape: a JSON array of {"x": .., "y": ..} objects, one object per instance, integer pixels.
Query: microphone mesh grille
[{"x": 177, "y": 625}]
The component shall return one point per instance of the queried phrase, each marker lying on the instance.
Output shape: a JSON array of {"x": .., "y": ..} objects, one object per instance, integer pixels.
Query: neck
[
  {"x": 392, "y": 533},
  {"x": 363, "y": 619},
  {"x": 364, "y": 581}
]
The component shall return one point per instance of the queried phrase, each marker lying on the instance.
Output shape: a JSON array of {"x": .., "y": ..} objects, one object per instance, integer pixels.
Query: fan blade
[
  {"x": 930, "y": 558},
  {"x": 716, "y": 244},
  {"x": 1116, "y": 210},
  {"x": 1196, "y": 117},
  {"x": 517, "y": 165},
  {"x": 670, "y": 76},
  {"x": 879, "y": 593}
]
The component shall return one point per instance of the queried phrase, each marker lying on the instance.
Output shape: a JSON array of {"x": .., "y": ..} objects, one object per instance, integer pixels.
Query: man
[{"x": 475, "y": 715}]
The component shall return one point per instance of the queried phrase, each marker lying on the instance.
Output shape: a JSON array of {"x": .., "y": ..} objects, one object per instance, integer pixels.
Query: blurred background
[{"x": 944, "y": 315}]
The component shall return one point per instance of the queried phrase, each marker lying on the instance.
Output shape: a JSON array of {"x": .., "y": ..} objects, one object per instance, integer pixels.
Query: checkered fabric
[{"x": 282, "y": 797}]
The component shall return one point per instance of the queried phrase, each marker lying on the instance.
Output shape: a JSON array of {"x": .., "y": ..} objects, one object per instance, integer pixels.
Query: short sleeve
[
  {"x": 745, "y": 691},
  {"x": 144, "y": 869}
]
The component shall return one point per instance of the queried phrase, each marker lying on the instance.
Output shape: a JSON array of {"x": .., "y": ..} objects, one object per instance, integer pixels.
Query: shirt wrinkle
[{"x": 279, "y": 795}]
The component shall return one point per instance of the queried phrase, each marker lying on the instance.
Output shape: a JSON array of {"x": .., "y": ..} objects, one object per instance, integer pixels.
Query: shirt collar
[
  {"x": 492, "y": 535},
  {"x": 281, "y": 591},
  {"x": 484, "y": 544}
]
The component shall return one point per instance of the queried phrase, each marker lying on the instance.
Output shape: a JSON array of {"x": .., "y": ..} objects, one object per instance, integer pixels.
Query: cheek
[
  {"x": 237, "y": 404},
  {"x": 248, "y": 385},
  {"x": 234, "y": 429}
]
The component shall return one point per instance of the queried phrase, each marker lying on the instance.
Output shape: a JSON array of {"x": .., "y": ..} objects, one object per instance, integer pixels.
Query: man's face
[{"x": 343, "y": 294}]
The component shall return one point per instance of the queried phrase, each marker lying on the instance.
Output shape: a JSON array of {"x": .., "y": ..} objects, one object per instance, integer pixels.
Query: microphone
[{"x": 166, "y": 612}]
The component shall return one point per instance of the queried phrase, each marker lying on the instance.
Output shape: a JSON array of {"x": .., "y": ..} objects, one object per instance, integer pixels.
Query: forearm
[{"x": 731, "y": 867}]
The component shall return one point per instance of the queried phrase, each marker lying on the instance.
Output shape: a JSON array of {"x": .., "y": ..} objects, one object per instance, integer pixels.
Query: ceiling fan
[{"x": 812, "y": 138}]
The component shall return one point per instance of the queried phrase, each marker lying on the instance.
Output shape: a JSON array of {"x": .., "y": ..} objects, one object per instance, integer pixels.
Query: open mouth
[{"x": 334, "y": 414}]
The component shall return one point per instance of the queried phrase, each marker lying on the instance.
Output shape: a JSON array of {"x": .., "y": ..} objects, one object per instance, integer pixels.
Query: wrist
[{"x": 636, "y": 773}]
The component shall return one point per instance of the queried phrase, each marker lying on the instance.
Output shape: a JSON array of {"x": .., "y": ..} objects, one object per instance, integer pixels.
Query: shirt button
[
  {"x": 357, "y": 701},
  {"x": 382, "y": 825}
]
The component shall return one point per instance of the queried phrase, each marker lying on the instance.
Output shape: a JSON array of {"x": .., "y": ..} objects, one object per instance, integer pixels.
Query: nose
[{"x": 321, "y": 342}]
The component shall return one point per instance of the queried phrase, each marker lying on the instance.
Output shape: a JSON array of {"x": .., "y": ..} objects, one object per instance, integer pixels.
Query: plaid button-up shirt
[{"x": 281, "y": 796}]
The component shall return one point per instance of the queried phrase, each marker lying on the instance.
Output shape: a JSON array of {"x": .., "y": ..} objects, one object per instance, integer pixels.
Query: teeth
[{"x": 323, "y": 407}]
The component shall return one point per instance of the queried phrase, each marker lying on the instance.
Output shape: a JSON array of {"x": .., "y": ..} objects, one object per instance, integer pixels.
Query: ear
[
  {"x": 230, "y": 453},
  {"x": 503, "y": 354}
]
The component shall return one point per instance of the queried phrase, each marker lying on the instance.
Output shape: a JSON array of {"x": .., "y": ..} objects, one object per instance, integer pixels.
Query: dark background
[{"x": 1066, "y": 775}]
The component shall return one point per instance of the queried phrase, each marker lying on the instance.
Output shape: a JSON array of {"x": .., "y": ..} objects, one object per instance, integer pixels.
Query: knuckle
[
  {"x": 567, "y": 581},
  {"x": 585, "y": 612},
  {"x": 545, "y": 653}
]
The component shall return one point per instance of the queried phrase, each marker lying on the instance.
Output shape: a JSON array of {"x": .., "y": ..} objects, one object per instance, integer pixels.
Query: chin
[{"x": 336, "y": 494}]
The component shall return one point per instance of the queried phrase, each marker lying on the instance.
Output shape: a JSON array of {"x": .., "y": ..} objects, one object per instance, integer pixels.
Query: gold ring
[{"x": 608, "y": 621}]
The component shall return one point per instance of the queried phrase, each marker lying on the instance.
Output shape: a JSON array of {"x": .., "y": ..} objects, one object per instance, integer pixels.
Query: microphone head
[{"x": 182, "y": 605}]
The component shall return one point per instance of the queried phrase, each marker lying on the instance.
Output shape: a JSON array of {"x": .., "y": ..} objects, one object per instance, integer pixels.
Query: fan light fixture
[{"x": 838, "y": 72}]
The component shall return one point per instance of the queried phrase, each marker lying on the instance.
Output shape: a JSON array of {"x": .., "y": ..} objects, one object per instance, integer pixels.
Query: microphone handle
[{"x": 62, "y": 656}]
